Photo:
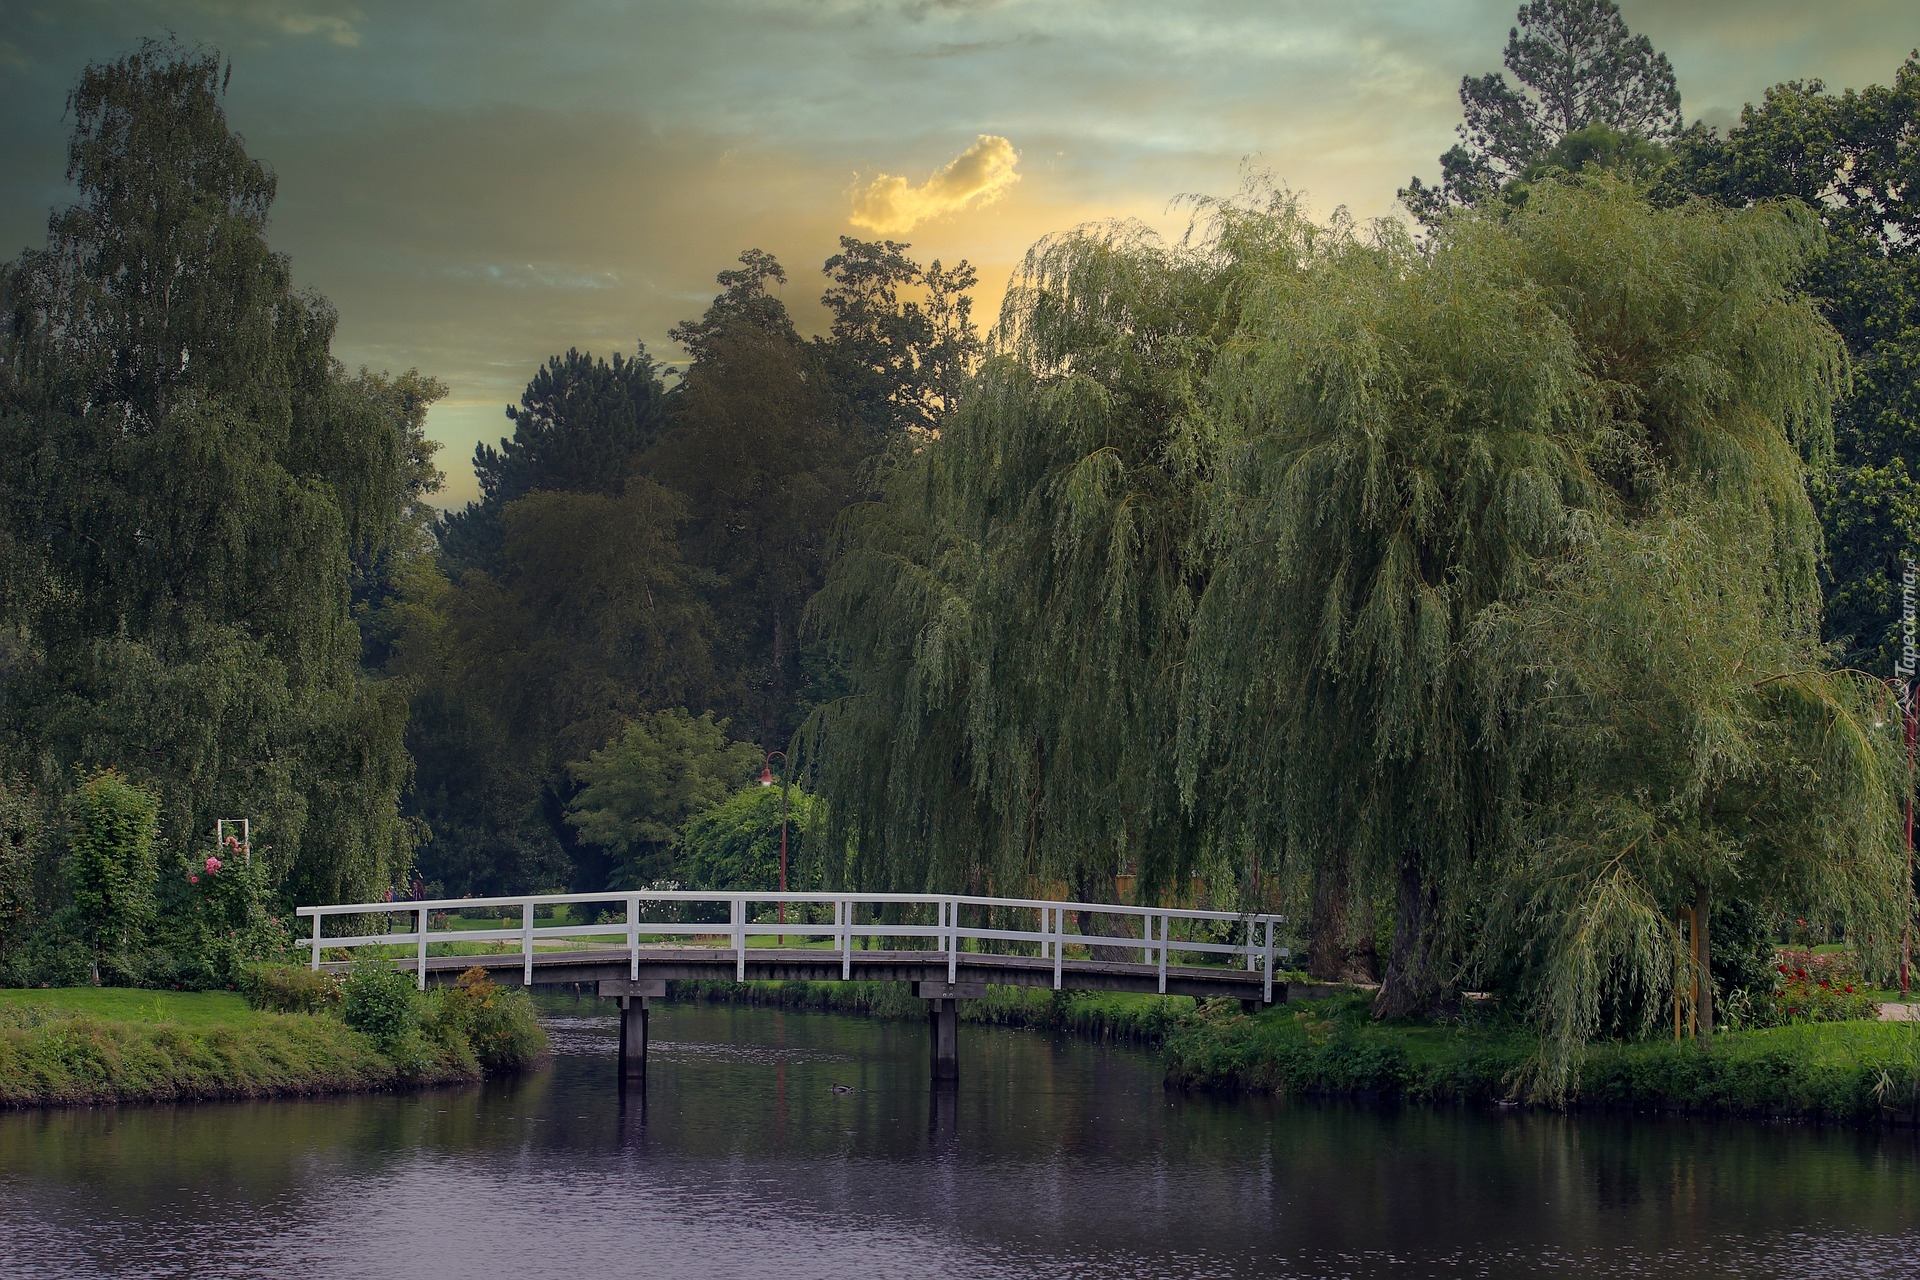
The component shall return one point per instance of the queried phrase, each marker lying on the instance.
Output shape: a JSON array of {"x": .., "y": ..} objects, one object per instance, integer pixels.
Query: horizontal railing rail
[{"x": 1157, "y": 934}]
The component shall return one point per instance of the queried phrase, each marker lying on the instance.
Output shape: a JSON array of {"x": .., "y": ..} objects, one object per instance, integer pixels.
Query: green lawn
[{"x": 190, "y": 1009}]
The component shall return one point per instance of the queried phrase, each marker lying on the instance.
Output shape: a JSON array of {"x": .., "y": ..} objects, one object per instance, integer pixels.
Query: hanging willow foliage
[
  {"x": 1015, "y": 613},
  {"x": 1478, "y": 574},
  {"x": 1441, "y": 458}
]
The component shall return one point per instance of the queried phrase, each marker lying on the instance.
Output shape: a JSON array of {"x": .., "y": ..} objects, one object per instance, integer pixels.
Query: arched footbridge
[{"x": 628, "y": 946}]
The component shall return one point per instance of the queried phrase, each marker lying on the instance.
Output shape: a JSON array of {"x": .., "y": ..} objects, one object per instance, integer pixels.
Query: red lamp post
[{"x": 766, "y": 780}]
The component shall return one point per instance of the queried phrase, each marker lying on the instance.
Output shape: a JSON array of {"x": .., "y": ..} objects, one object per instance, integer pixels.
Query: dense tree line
[{"x": 641, "y": 553}]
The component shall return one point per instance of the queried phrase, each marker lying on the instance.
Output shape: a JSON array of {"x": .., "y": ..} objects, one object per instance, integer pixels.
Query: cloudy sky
[{"x": 480, "y": 183}]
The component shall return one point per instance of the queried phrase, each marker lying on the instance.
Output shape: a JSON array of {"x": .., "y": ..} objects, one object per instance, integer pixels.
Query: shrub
[
  {"x": 1811, "y": 987},
  {"x": 219, "y": 919},
  {"x": 21, "y": 842},
  {"x": 289, "y": 988},
  {"x": 379, "y": 1000},
  {"x": 499, "y": 1025},
  {"x": 110, "y": 866}
]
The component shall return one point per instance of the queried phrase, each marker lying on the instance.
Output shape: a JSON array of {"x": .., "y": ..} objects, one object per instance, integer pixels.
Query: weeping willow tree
[
  {"x": 1459, "y": 484},
  {"x": 1478, "y": 578},
  {"x": 1014, "y": 614},
  {"x": 1682, "y": 746},
  {"x": 1409, "y": 439}
]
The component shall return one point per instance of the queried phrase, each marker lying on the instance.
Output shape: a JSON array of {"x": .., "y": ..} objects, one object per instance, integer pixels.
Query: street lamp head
[{"x": 766, "y": 775}]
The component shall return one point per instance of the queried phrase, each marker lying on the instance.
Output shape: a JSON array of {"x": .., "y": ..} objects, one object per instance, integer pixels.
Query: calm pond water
[{"x": 1056, "y": 1158}]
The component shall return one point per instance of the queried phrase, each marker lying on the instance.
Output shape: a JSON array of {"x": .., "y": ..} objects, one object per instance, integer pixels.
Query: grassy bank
[
  {"x": 1134, "y": 1018},
  {"x": 89, "y": 1045},
  {"x": 1850, "y": 1071}
]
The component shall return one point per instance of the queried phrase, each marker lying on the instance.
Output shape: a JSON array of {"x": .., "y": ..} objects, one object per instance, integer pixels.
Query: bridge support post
[
  {"x": 635, "y": 997},
  {"x": 943, "y": 1028},
  {"x": 943, "y": 1023},
  {"x": 633, "y": 1040}
]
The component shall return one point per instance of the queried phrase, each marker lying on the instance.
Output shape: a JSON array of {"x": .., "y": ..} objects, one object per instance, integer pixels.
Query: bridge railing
[{"x": 952, "y": 925}]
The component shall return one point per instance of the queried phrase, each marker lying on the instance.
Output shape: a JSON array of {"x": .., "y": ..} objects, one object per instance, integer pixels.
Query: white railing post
[
  {"x": 1163, "y": 953},
  {"x": 1267, "y": 994},
  {"x": 740, "y": 936},
  {"x": 1059, "y": 930},
  {"x": 526, "y": 944},
  {"x": 953, "y": 939},
  {"x": 633, "y": 937},
  {"x": 316, "y": 940},
  {"x": 420, "y": 980},
  {"x": 843, "y": 921}
]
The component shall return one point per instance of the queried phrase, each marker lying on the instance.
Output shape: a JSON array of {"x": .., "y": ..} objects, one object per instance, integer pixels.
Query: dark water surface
[{"x": 1054, "y": 1158}]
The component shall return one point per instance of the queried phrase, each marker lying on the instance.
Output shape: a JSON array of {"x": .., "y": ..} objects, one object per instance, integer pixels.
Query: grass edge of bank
[
  {"x": 1854, "y": 1072},
  {"x": 1135, "y": 1019},
  {"x": 56, "y": 1054}
]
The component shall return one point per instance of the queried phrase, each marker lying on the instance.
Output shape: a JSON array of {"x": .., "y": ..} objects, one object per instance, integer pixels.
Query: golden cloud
[{"x": 979, "y": 175}]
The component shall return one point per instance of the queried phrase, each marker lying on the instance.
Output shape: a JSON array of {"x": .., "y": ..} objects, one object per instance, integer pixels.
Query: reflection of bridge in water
[{"x": 950, "y": 947}]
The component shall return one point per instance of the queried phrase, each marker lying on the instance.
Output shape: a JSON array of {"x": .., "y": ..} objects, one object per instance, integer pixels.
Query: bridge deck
[{"x": 769, "y": 964}]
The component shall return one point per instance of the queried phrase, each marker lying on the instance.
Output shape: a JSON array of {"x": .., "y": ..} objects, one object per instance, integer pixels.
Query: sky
[{"x": 479, "y": 184}]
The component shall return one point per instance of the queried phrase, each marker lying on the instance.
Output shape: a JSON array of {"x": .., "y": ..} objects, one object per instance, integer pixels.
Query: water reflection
[{"x": 808, "y": 1145}]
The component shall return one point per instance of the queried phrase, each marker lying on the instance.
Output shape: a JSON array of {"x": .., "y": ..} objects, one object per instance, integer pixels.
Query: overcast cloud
[{"x": 480, "y": 183}]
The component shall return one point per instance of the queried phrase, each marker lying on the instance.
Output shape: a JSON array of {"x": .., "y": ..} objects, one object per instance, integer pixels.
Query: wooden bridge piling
[{"x": 635, "y": 997}]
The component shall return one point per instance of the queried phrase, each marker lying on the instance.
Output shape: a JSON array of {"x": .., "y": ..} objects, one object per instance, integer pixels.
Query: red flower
[
  {"x": 1800, "y": 973},
  {"x": 1782, "y": 968},
  {"x": 1826, "y": 984},
  {"x": 1849, "y": 990}
]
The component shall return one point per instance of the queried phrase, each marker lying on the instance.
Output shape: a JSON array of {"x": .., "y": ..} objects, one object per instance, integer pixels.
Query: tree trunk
[
  {"x": 1327, "y": 926},
  {"x": 1092, "y": 925},
  {"x": 1407, "y": 987},
  {"x": 1703, "y": 954},
  {"x": 1340, "y": 938},
  {"x": 1363, "y": 957}
]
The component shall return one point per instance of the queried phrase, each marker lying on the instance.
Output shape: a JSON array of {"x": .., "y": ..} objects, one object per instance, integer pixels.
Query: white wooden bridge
[{"x": 950, "y": 946}]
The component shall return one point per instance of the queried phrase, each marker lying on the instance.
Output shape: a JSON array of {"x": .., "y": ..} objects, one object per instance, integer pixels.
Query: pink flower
[
  {"x": 192, "y": 879},
  {"x": 213, "y": 866}
]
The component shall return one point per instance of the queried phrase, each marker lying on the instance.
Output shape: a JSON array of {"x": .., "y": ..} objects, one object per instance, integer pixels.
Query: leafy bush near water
[
  {"x": 378, "y": 999},
  {"x": 474, "y": 1020},
  {"x": 499, "y": 1025}
]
